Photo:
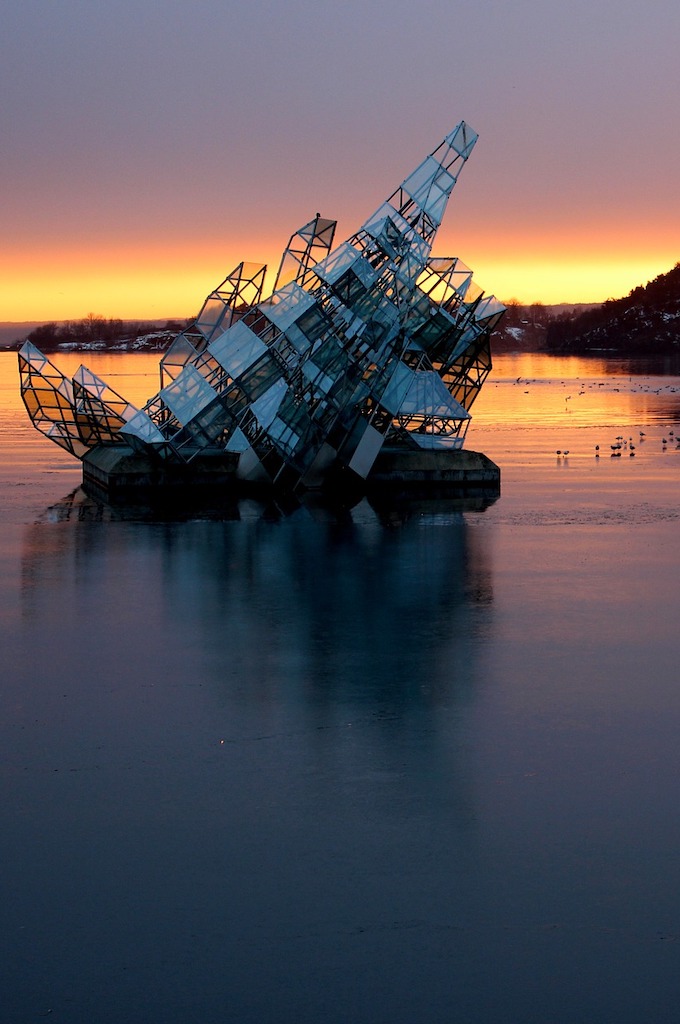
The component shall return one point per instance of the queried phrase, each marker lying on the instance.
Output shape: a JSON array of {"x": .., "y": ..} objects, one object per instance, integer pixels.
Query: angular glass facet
[
  {"x": 237, "y": 349},
  {"x": 187, "y": 395}
]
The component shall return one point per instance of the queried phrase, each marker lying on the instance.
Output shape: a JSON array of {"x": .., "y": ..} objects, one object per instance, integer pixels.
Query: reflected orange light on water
[
  {"x": 531, "y": 407},
  {"x": 135, "y": 376},
  {"x": 538, "y": 391},
  {"x": 550, "y": 424}
]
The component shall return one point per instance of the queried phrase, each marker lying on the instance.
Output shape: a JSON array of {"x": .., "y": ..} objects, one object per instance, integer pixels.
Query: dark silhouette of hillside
[
  {"x": 645, "y": 322},
  {"x": 523, "y": 328}
]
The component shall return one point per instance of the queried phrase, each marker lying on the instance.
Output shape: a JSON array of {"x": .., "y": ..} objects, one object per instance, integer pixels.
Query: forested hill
[
  {"x": 93, "y": 334},
  {"x": 646, "y": 322}
]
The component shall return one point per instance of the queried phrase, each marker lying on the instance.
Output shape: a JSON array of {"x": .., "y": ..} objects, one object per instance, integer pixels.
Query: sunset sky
[{"x": 148, "y": 146}]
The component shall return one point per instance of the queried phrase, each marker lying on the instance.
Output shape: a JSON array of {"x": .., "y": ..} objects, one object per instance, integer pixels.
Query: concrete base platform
[
  {"x": 116, "y": 472},
  {"x": 461, "y": 468}
]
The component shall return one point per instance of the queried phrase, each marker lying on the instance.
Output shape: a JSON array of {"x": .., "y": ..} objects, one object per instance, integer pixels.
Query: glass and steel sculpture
[{"x": 368, "y": 344}]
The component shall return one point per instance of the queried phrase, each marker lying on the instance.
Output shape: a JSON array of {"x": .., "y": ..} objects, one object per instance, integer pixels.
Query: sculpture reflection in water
[
  {"x": 374, "y": 343},
  {"x": 363, "y": 599},
  {"x": 390, "y": 506}
]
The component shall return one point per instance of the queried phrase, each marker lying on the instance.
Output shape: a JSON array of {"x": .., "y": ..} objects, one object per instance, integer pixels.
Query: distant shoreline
[
  {"x": 519, "y": 330},
  {"x": 14, "y": 333}
]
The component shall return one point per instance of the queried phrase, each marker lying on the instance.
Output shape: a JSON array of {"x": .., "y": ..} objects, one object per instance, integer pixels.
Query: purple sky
[{"x": 182, "y": 137}]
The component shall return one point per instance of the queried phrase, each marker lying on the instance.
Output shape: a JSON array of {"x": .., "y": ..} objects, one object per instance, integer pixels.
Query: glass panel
[
  {"x": 435, "y": 204},
  {"x": 418, "y": 183},
  {"x": 365, "y": 272},
  {"x": 110, "y": 400},
  {"x": 428, "y": 397},
  {"x": 313, "y": 323},
  {"x": 237, "y": 349},
  {"x": 283, "y": 435},
  {"x": 321, "y": 381},
  {"x": 334, "y": 265},
  {"x": 258, "y": 378},
  {"x": 266, "y": 406},
  {"x": 181, "y": 351},
  {"x": 238, "y": 442},
  {"x": 488, "y": 307},
  {"x": 397, "y": 388},
  {"x": 187, "y": 395},
  {"x": 212, "y": 312},
  {"x": 366, "y": 452},
  {"x": 330, "y": 356},
  {"x": 286, "y": 305},
  {"x": 140, "y": 426},
  {"x": 387, "y": 222},
  {"x": 461, "y": 140},
  {"x": 437, "y": 441}
]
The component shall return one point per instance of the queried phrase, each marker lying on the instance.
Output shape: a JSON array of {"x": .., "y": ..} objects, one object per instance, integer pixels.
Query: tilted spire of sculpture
[{"x": 371, "y": 343}]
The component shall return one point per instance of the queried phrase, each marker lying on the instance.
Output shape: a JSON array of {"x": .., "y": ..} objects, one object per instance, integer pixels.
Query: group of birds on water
[{"x": 623, "y": 445}]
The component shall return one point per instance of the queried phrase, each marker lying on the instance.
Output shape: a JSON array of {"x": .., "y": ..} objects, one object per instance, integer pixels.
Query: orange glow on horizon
[
  {"x": 171, "y": 281},
  {"x": 555, "y": 281}
]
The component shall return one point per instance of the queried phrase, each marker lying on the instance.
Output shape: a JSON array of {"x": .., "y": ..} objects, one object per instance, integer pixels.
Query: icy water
[{"x": 414, "y": 764}]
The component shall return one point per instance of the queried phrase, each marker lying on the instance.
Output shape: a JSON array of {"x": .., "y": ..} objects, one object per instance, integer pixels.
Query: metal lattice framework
[{"x": 371, "y": 342}]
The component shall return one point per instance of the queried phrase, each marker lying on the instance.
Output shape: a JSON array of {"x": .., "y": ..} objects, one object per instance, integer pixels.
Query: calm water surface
[{"x": 414, "y": 764}]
